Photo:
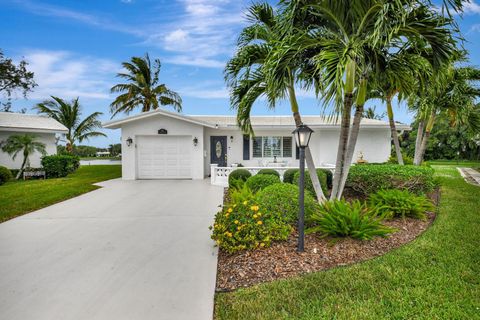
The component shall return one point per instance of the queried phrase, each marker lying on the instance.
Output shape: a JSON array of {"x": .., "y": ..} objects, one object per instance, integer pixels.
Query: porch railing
[{"x": 219, "y": 175}]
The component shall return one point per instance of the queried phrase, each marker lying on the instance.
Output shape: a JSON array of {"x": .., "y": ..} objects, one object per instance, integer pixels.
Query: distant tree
[
  {"x": 15, "y": 77},
  {"x": 26, "y": 144},
  {"x": 115, "y": 149},
  {"x": 85, "y": 151},
  {"x": 69, "y": 114},
  {"x": 370, "y": 113},
  {"x": 142, "y": 88}
]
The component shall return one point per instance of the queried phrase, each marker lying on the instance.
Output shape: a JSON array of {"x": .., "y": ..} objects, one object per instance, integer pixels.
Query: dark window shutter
[
  {"x": 246, "y": 147},
  {"x": 297, "y": 152}
]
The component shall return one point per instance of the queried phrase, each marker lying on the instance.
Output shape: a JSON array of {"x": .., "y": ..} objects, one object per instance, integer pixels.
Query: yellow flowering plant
[{"x": 244, "y": 226}]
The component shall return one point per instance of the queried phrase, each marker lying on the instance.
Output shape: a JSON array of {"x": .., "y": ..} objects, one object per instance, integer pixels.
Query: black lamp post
[{"x": 302, "y": 137}]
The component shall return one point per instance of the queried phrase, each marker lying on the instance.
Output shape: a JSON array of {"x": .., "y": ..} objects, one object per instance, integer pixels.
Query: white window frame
[{"x": 281, "y": 147}]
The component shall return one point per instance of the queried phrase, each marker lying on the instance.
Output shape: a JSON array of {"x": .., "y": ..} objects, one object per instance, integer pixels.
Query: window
[{"x": 269, "y": 147}]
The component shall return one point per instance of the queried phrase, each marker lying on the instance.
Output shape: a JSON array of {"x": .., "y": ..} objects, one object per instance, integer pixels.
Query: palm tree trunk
[
  {"x": 428, "y": 129},
  {"x": 418, "y": 142},
  {"x": 393, "y": 129},
  {"x": 344, "y": 128},
  {"x": 308, "y": 155},
  {"x": 22, "y": 167},
  {"x": 352, "y": 140}
]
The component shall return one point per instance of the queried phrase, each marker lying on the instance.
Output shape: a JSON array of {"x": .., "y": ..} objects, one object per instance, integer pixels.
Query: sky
[{"x": 75, "y": 48}]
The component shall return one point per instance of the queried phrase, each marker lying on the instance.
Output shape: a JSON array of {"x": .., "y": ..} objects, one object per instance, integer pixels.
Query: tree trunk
[
  {"x": 393, "y": 129},
  {"x": 308, "y": 155},
  {"x": 428, "y": 129},
  {"x": 22, "y": 167},
  {"x": 418, "y": 142}
]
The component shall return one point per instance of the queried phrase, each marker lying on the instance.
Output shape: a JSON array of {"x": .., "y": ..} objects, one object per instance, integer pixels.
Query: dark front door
[{"x": 218, "y": 150}]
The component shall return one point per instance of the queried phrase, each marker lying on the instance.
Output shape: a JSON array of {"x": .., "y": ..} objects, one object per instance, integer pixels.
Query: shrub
[
  {"x": 329, "y": 175},
  {"x": 288, "y": 175},
  {"x": 322, "y": 177},
  {"x": 339, "y": 218},
  {"x": 261, "y": 181},
  {"x": 240, "y": 194},
  {"x": 269, "y": 171},
  {"x": 281, "y": 200},
  {"x": 5, "y": 175},
  {"x": 246, "y": 226},
  {"x": 367, "y": 179},
  {"x": 400, "y": 203},
  {"x": 406, "y": 159},
  {"x": 238, "y": 175},
  {"x": 57, "y": 166}
]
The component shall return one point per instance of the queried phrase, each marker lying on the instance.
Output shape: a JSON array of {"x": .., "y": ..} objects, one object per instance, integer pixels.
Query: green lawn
[
  {"x": 100, "y": 158},
  {"x": 458, "y": 163},
  {"x": 434, "y": 277},
  {"x": 20, "y": 197}
]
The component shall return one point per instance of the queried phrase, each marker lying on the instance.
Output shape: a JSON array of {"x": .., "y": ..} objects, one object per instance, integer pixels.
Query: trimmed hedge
[
  {"x": 366, "y": 179},
  {"x": 261, "y": 181},
  {"x": 57, "y": 166},
  {"x": 322, "y": 177},
  {"x": 238, "y": 175},
  {"x": 5, "y": 175},
  {"x": 281, "y": 200},
  {"x": 273, "y": 172},
  {"x": 288, "y": 175}
]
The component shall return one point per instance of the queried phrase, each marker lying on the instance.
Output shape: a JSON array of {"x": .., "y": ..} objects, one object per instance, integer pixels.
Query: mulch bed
[{"x": 280, "y": 261}]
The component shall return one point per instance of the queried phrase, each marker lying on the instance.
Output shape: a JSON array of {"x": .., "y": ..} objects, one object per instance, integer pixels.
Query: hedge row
[{"x": 57, "y": 166}]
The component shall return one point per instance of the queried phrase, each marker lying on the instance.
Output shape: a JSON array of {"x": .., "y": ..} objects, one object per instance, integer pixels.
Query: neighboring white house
[
  {"x": 42, "y": 127},
  {"x": 164, "y": 145}
]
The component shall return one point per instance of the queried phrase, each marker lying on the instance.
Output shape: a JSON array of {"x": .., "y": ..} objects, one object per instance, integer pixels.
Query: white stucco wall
[
  {"x": 47, "y": 138},
  {"x": 150, "y": 127}
]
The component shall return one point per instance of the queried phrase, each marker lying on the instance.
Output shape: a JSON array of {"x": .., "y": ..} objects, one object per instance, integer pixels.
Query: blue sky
[{"x": 76, "y": 47}]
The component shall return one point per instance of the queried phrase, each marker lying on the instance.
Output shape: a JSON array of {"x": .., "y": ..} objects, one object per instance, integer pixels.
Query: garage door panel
[{"x": 165, "y": 157}]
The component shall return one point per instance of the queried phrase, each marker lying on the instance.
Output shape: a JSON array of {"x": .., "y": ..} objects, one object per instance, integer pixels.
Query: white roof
[
  {"x": 230, "y": 121},
  {"x": 10, "y": 121}
]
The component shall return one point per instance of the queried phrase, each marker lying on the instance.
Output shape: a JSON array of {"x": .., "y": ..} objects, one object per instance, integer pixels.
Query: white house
[
  {"x": 164, "y": 145},
  {"x": 43, "y": 128}
]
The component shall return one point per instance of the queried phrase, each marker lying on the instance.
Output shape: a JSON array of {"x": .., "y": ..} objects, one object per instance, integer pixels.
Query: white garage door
[{"x": 164, "y": 157}]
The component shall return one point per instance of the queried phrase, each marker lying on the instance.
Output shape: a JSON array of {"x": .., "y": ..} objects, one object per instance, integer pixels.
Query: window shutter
[
  {"x": 246, "y": 147},
  {"x": 297, "y": 152}
]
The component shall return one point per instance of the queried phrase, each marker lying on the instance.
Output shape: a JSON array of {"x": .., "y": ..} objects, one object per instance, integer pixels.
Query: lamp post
[{"x": 302, "y": 137}]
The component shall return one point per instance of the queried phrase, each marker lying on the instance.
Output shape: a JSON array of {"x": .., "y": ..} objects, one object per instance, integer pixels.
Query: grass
[
  {"x": 459, "y": 163},
  {"x": 100, "y": 158},
  {"x": 433, "y": 277},
  {"x": 20, "y": 197}
]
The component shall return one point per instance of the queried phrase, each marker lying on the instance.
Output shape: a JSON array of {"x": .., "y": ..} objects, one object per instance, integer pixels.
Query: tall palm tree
[
  {"x": 347, "y": 38},
  {"x": 246, "y": 74},
  {"x": 69, "y": 114},
  {"x": 453, "y": 92},
  {"x": 142, "y": 88},
  {"x": 25, "y": 144}
]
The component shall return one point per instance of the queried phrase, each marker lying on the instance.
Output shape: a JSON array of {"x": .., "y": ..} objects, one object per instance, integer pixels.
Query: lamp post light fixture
[
  {"x": 302, "y": 137},
  {"x": 129, "y": 141}
]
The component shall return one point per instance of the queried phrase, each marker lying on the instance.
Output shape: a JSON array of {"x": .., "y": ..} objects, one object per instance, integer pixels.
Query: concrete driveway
[{"x": 131, "y": 250}]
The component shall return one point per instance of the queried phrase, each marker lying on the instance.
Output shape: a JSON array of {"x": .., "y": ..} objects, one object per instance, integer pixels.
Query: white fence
[{"x": 219, "y": 175}]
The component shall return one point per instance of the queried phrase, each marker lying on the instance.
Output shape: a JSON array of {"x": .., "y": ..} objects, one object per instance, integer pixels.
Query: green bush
[
  {"x": 244, "y": 226},
  {"x": 322, "y": 177},
  {"x": 329, "y": 175},
  {"x": 281, "y": 200},
  {"x": 57, "y": 166},
  {"x": 400, "y": 203},
  {"x": 288, "y": 175},
  {"x": 238, "y": 175},
  {"x": 406, "y": 159},
  {"x": 340, "y": 218},
  {"x": 367, "y": 179},
  {"x": 269, "y": 171},
  {"x": 240, "y": 194},
  {"x": 5, "y": 175},
  {"x": 261, "y": 181}
]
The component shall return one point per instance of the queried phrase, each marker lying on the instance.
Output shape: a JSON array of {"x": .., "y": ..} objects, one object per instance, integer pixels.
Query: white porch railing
[{"x": 219, "y": 175}]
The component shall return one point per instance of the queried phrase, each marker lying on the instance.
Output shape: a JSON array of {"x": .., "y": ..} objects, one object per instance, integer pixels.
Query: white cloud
[
  {"x": 64, "y": 74},
  {"x": 206, "y": 90},
  {"x": 475, "y": 28},
  {"x": 471, "y": 7}
]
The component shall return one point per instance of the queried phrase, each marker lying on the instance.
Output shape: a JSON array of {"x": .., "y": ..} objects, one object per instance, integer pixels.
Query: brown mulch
[{"x": 247, "y": 268}]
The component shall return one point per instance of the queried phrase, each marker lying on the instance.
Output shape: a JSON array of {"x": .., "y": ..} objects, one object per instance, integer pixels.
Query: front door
[{"x": 218, "y": 150}]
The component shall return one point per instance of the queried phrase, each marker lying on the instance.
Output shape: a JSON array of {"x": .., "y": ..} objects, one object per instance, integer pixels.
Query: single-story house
[
  {"x": 165, "y": 145},
  {"x": 42, "y": 127}
]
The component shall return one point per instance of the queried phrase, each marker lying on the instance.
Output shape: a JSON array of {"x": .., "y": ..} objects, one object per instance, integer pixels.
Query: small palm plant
[
  {"x": 69, "y": 114},
  {"x": 25, "y": 144},
  {"x": 142, "y": 88}
]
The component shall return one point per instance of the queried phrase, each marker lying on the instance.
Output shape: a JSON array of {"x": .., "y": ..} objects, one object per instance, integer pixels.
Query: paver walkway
[
  {"x": 470, "y": 175},
  {"x": 131, "y": 250}
]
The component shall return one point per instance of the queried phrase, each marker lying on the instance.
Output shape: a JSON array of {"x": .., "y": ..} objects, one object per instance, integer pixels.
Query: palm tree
[
  {"x": 452, "y": 92},
  {"x": 347, "y": 39},
  {"x": 142, "y": 88},
  {"x": 246, "y": 75},
  {"x": 69, "y": 114},
  {"x": 371, "y": 113},
  {"x": 27, "y": 145}
]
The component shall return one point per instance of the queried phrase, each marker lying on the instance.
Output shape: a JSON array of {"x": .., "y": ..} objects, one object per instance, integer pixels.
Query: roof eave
[{"x": 41, "y": 130}]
